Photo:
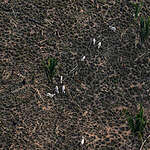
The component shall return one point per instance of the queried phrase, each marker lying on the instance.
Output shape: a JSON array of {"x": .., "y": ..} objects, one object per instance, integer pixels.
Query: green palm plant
[
  {"x": 144, "y": 29},
  {"x": 138, "y": 7},
  {"x": 137, "y": 124},
  {"x": 50, "y": 68}
]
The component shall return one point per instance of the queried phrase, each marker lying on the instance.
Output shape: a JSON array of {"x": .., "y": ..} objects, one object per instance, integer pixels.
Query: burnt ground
[{"x": 110, "y": 79}]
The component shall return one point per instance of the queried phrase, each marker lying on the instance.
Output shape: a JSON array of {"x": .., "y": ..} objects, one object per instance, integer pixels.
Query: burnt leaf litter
[{"x": 102, "y": 70}]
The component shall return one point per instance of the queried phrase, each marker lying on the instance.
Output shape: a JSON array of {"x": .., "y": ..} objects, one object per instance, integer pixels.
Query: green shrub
[
  {"x": 138, "y": 7},
  {"x": 137, "y": 124},
  {"x": 50, "y": 68},
  {"x": 144, "y": 29}
]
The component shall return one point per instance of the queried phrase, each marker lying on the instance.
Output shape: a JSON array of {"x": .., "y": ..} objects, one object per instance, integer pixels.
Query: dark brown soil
[{"x": 110, "y": 79}]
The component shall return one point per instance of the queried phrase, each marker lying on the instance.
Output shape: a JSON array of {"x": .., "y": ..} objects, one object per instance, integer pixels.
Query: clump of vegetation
[
  {"x": 50, "y": 68},
  {"x": 144, "y": 24},
  {"x": 144, "y": 29},
  {"x": 138, "y": 7},
  {"x": 137, "y": 124}
]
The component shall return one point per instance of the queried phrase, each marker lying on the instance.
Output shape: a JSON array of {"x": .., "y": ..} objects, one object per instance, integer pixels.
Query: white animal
[
  {"x": 63, "y": 89},
  {"x": 50, "y": 95},
  {"x": 83, "y": 58}
]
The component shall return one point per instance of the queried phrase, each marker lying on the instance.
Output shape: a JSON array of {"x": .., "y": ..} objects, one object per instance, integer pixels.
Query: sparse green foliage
[
  {"x": 50, "y": 68},
  {"x": 144, "y": 29},
  {"x": 137, "y": 124},
  {"x": 131, "y": 123},
  {"x": 138, "y": 7},
  {"x": 144, "y": 24}
]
